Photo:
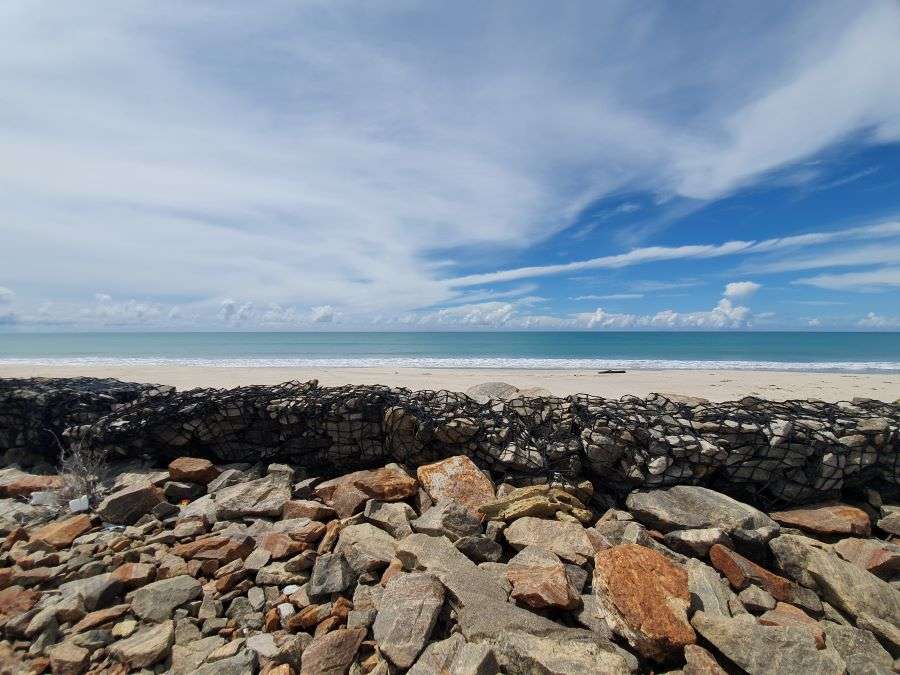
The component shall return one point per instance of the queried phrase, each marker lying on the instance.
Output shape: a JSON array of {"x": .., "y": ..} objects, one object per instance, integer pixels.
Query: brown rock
[
  {"x": 280, "y": 545},
  {"x": 309, "y": 533},
  {"x": 567, "y": 540},
  {"x": 351, "y": 491},
  {"x": 192, "y": 470},
  {"x": 698, "y": 661},
  {"x": 69, "y": 659},
  {"x": 127, "y": 505},
  {"x": 218, "y": 548},
  {"x": 332, "y": 654},
  {"x": 25, "y": 485},
  {"x": 304, "y": 508},
  {"x": 146, "y": 647},
  {"x": 791, "y": 616},
  {"x": 16, "y": 600},
  {"x": 457, "y": 479},
  {"x": 100, "y": 617},
  {"x": 61, "y": 533},
  {"x": 539, "y": 580},
  {"x": 134, "y": 575},
  {"x": 742, "y": 572},
  {"x": 644, "y": 598},
  {"x": 872, "y": 555},
  {"x": 826, "y": 518}
]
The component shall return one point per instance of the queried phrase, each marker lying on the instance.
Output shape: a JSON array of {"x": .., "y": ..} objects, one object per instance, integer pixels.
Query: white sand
[{"x": 715, "y": 385}]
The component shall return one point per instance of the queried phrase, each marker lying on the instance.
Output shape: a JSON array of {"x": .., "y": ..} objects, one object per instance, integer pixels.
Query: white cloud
[
  {"x": 814, "y": 323},
  {"x": 322, "y": 314},
  {"x": 858, "y": 256},
  {"x": 741, "y": 289},
  {"x": 611, "y": 296},
  {"x": 872, "y": 280},
  {"x": 6, "y": 295},
  {"x": 164, "y": 150},
  {"x": 873, "y": 320}
]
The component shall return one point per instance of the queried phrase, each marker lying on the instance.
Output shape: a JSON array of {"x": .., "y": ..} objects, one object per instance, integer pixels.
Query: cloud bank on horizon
[{"x": 616, "y": 165}]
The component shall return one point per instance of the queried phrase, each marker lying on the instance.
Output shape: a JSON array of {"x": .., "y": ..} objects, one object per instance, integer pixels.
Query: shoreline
[{"x": 716, "y": 385}]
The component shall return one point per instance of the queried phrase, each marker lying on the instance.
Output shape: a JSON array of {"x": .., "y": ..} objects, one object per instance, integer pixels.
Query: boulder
[
  {"x": 785, "y": 614},
  {"x": 256, "y": 498},
  {"x": 61, "y": 533},
  {"x": 689, "y": 507},
  {"x": 349, "y": 492},
  {"x": 157, "y": 601},
  {"x": 457, "y": 479},
  {"x": 67, "y": 658},
  {"x": 392, "y": 517},
  {"x": 644, "y": 597},
  {"x": 539, "y": 501},
  {"x": 25, "y": 484},
  {"x": 366, "y": 547},
  {"x": 455, "y": 655},
  {"x": 539, "y": 580},
  {"x": 697, "y": 542},
  {"x": 305, "y": 508},
  {"x": 769, "y": 650},
  {"x": 491, "y": 390},
  {"x": 332, "y": 653},
  {"x": 407, "y": 613},
  {"x": 741, "y": 572},
  {"x": 465, "y": 582},
  {"x": 127, "y": 505},
  {"x": 698, "y": 661},
  {"x": 148, "y": 646},
  {"x": 567, "y": 540},
  {"x": 193, "y": 470},
  {"x": 828, "y": 518},
  {"x": 330, "y": 574},
  {"x": 449, "y": 519},
  {"x": 873, "y": 555},
  {"x": 859, "y": 649},
  {"x": 569, "y": 651},
  {"x": 95, "y": 592},
  {"x": 480, "y": 549}
]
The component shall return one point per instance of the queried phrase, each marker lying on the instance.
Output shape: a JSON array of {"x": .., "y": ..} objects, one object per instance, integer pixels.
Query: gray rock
[
  {"x": 773, "y": 650},
  {"x": 127, "y": 505},
  {"x": 710, "y": 593},
  {"x": 480, "y": 549},
  {"x": 860, "y": 649},
  {"x": 188, "y": 657},
  {"x": 756, "y": 600},
  {"x": 261, "y": 497},
  {"x": 568, "y": 651},
  {"x": 689, "y": 507},
  {"x": 330, "y": 574},
  {"x": 156, "y": 601},
  {"x": 459, "y": 575},
  {"x": 567, "y": 540},
  {"x": 242, "y": 663},
  {"x": 95, "y": 592},
  {"x": 454, "y": 655},
  {"x": 408, "y": 611},
  {"x": 447, "y": 518},
  {"x": 146, "y": 647},
  {"x": 225, "y": 479},
  {"x": 175, "y": 491},
  {"x": 487, "y": 390},
  {"x": 278, "y": 574},
  {"x": 840, "y": 583},
  {"x": 366, "y": 547},
  {"x": 392, "y": 517},
  {"x": 891, "y": 523},
  {"x": 885, "y": 630},
  {"x": 697, "y": 542}
]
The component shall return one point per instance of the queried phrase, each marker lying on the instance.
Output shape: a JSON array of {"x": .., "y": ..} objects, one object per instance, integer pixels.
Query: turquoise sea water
[{"x": 854, "y": 352}]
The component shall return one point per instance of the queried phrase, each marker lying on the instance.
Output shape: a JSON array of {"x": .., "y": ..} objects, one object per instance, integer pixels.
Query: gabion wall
[
  {"x": 770, "y": 452},
  {"x": 35, "y": 412}
]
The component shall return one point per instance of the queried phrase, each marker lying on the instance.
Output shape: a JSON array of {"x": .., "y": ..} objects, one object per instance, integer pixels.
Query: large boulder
[
  {"x": 127, "y": 505},
  {"x": 539, "y": 580},
  {"x": 644, "y": 597},
  {"x": 828, "y": 518},
  {"x": 567, "y": 540},
  {"x": 256, "y": 498},
  {"x": 686, "y": 507},
  {"x": 769, "y": 650},
  {"x": 146, "y": 647},
  {"x": 407, "y": 613},
  {"x": 457, "y": 479},
  {"x": 156, "y": 601}
]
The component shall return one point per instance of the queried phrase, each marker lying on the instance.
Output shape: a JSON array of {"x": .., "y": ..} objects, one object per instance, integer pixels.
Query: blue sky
[{"x": 401, "y": 165}]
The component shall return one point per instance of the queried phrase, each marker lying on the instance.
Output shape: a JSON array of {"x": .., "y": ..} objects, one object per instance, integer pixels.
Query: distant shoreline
[{"x": 714, "y": 384}]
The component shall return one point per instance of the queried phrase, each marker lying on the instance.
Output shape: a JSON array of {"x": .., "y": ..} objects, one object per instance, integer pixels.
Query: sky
[{"x": 393, "y": 165}]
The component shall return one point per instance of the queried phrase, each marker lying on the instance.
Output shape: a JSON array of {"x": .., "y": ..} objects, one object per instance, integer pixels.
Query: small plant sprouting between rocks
[{"x": 82, "y": 470}]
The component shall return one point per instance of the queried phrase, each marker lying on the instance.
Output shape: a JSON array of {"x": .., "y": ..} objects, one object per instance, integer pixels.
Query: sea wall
[{"x": 774, "y": 452}]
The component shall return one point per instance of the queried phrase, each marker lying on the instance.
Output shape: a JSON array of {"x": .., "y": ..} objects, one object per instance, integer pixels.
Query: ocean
[{"x": 801, "y": 351}]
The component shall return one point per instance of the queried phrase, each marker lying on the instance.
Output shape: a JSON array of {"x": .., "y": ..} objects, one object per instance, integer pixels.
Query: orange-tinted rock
[
  {"x": 873, "y": 555},
  {"x": 794, "y": 617},
  {"x": 457, "y": 479},
  {"x": 826, "y": 518},
  {"x": 62, "y": 533},
  {"x": 303, "y": 508},
  {"x": 394, "y": 568},
  {"x": 134, "y": 575},
  {"x": 309, "y": 533},
  {"x": 698, "y": 661},
  {"x": 281, "y": 545},
  {"x": 100, "y": 617},
  {"x": 192, "y": 470},
  {"x": 221, "y": 549},
  {"x": 348, "y": 493},
  {"x": 644, "y": 598},
  {"x": 25, "y": 485},
  {"x": 333, "y": 653},
  {"x": 15, "y": 600},
  {"x": 742, "y": 572},
  {"x": 539, "y": 580}
]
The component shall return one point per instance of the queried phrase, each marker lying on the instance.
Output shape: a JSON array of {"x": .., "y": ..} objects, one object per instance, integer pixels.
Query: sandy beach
[{"x": 716, "y": 385}]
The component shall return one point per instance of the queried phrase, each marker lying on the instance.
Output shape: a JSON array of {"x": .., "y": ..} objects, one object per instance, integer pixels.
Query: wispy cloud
[
  {"x": 611, "y": 296},
  {"x": 871, "y": 280}
]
